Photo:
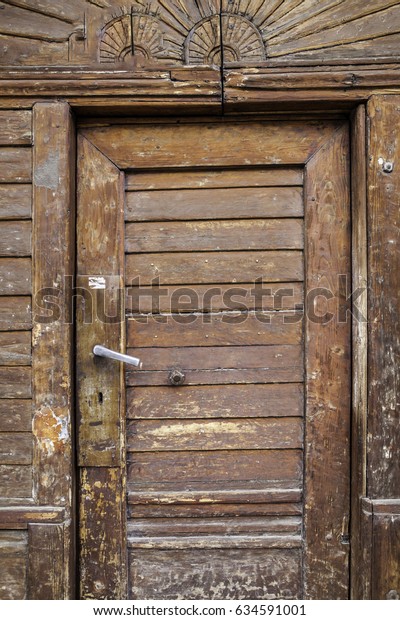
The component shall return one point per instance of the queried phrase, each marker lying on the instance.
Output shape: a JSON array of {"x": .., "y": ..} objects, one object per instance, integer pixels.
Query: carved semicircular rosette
[
  {"x": 137, "y": 35},
  {"x": 242, "y": 41},
  {"x": 252, "y": 31},
  {"x": 192, "y": 36}
]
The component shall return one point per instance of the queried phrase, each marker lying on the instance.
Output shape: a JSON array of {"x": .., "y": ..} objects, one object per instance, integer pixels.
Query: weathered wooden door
[{"x": 219, "y": 253}]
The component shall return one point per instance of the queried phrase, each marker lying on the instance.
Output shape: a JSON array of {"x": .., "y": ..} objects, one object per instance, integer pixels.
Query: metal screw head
[
  {"x": 387, "y": 166},
  {"x": 176, "y": 377}
]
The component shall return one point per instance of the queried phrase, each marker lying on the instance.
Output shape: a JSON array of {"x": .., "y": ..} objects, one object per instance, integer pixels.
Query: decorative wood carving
[{"x": 173, "y": 32}]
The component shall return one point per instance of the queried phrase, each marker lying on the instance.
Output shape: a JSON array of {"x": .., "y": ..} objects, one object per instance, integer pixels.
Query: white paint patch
[{"x": 97, "y": 282}]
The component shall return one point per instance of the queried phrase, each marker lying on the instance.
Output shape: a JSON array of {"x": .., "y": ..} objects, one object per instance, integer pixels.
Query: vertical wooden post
[
  {"x": 383, "y": 458},
  {"x": 53, "y": 267},
  {"x": 360, "y": 361},
  {"x": 328, "y": 387},
  {"x": 100, "y": 382}
]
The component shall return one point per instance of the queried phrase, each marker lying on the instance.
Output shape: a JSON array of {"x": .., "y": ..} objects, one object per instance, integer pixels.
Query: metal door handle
[{"x": 113, "y": 355}]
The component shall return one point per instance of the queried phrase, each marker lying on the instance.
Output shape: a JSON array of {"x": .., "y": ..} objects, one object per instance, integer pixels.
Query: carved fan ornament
[{"x": 141, "y": 33}]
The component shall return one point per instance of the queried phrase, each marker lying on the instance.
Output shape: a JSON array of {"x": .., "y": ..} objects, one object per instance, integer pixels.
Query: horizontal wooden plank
[
  {"x": 208, "y": 526},
  {"x": 15, "y": 382},
  {"x": 15, "y": 201},
  {"x": 215, "y": 267},
  {"x": 214, "y": 204},
  {"x": 215, "y": 365},
  {"x": 254, "y": 401},
  {"x": 216, "y": 542},
  {"x": 15, "y": 313},
  {"x": 209, "y": 330},
  {"x": 235, "y": 466},
  {"x": 225, "y": 574},
  {"x": 273, "y": 234},
  {"x": 18, "y": 517},
  {"x": 225, "y": 144},
  {"x": 211, "y": 510},
  {"x": 15, "y": 276},
  {"x": 248, "y": 492},
  {"x": 15, "y": 481},
  {"x": 271, "y": 176},
  {"x": 15, "y": 127},
  {"x": 15, "y": 415},
  {"x": 15, "y": 448},
  {"x": 205, "y": 298},
  {"x": 15, "y": 165},
  {"x": 232, "y": 434},
  {"x": 15, "y": 238},
  {"x": 15, "y": 348}
]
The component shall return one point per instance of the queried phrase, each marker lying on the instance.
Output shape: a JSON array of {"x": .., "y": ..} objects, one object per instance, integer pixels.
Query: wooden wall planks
[
  {"x": 15, "y": 201},
  {"x": 211, "y": 402}
]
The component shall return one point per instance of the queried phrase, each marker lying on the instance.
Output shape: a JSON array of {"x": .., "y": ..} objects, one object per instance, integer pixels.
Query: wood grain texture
[
  {"x": 203, "y": 180},
  {"x": 248, "y": 492},
  {"x": 99, "y": 380},
  {"x": 19, "y": 517},
  {"x": 102, "y": 212},
  {"x": 15, "y": 382},
  {"x": 328, "y": 391},
  {"x": 385, "y": 555},
  {"x": 211, "y": 510},
  {"x": 15, "y": 348},
  {"x": 220, "y": 365},
  {"x": 203, "y": 574},
  {"x": 13, "y": 558},
  {"x": 15, "y": 165},
  {"x": 102, "y": 532},
  {"x": 203, "y": 298},
  {"x": 360, "y": 344},
  {"x": 257, "y": 234},
  {"x": 15, "y": 481},
  {"x": 15, "y": 238},
  {"x": 15, "y": 127},
  {"x": 100, "y": 386},
  {"x": 53, "y": 196},
  {"x": 210, "y": 330},
  {"x": 383, "y": 476},
  {"x": 251, "y": 526},
  {"x": 151, "y": 470},
  {"x": 15, "y": 276},
  {"x": 257, "y": 401},
  {"x": 15, "y": 448},
  {"x": 15, "y": 313},
  {"x": 15, "y": 415},
  {"x": 244, "y": 144},
  {"x": 218, "y": 203},
  {"x": 214, "y": 267},
  {"x": 199, "y": 34},
  {"x": 15, "y": 201},
  {"x": 268, "y": 433},
  {"x": 46, "y": 562}
]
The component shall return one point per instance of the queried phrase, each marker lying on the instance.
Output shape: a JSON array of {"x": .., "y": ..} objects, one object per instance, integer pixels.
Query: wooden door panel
[
  {"x": 218, "y": 203},
  {"x": 211, "y": 402},
  {"x": 210, "y": 268},
  {"x": 274, "y": 234},
  {"x": 202, "y": 298},
  {"x": 237, "y": 482},
  {"x": 215, "y": 573}
]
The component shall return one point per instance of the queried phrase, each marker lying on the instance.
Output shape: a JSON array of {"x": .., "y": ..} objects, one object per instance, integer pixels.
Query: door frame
[{"x": 56, "y": 337}]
